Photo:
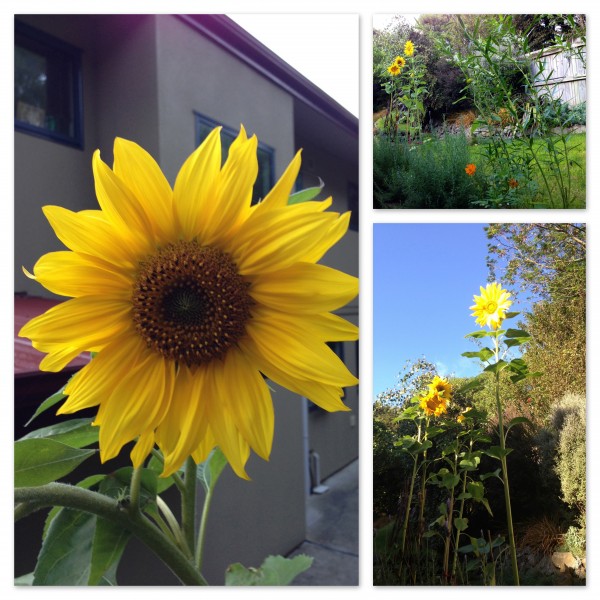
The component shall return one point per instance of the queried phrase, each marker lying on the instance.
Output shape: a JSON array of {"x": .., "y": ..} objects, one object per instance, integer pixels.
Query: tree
[
  {"x": 542, "y": 30},
  {"x": 534, "y": 255},
  {"x": 548, "y": 262}
]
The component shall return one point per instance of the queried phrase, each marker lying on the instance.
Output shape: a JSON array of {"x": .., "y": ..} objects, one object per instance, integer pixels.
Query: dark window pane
[{"x": 47, "y": 86}]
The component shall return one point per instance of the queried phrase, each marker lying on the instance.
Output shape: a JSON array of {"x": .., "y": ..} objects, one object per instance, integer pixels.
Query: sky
[
  {"x": 424, "y": 279},
  {"x": 304, "y": 41}
]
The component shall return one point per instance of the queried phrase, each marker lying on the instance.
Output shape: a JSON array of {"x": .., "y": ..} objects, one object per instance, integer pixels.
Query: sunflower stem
[
  {"x": 202, "y": 529},
  {"x": 68, "y": 496},
  {"x": 188, "y": 504},
  {"x": 509, "y": 520},
  {"x": 134, "y": 490}
]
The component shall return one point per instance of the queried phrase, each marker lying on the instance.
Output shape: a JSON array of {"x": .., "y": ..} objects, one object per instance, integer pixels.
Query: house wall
[{"x": 197, "y": 75}]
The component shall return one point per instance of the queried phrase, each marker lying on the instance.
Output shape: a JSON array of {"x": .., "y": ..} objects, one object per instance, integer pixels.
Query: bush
[
  {"x": 427, "y": 175},
  {"x": 569, "y": 419}
]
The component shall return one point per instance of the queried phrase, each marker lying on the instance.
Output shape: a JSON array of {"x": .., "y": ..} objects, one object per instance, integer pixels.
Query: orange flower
[
  {"x": 513, "y": 183},
  {"x": 470, "y": 169}
]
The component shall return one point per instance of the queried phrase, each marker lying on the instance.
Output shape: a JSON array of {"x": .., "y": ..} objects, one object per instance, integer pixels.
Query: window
[
  {"x": 48, "y": 96},
  {"x": 266, "y": 154}
]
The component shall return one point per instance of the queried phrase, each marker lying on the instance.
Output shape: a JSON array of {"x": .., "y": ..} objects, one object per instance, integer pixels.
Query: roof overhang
[{"x": 237, "y": 41}]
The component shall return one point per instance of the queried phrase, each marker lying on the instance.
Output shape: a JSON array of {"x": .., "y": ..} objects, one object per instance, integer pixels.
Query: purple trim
[{"x": 237, "y": 41}]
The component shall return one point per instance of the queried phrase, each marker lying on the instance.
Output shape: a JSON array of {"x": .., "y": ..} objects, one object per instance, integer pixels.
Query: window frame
[{"x": 71, "y": 55}]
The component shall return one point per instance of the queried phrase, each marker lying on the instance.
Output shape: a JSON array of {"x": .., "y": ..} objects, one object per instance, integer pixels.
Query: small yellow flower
[
  {"x": 409, "y": 48},
  {"x": 399, "y": 60},
  {"x": 394, "y": 69},
  {"x": 460, "y": 418},
  {"x": 490, "y": 308},
  {"x": 470, "y": 169}
]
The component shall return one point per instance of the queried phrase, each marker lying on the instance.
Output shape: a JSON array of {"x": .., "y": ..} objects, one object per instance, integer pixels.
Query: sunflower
[
  {"x": 394, "y": 69},
  {"x": 513, "y": 183},
  {"x": 490, "y": 308},
  {"x": 189, "y": 297},
  {"x": 409, "y": 48},
  {"x": 434, "y": 404},
  {"x": 442, "y": 387},
  {"x": 399, "y": 60},
  {"x": 470, "y": 169}
]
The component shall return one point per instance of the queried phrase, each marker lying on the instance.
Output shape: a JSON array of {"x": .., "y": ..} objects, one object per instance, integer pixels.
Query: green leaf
[
  {"x": 469, "y": 463},
  {"x": 497, "y": 452},
  {"x": 511, "y": 315},
  {"x": 76, "y": 433},
  {"x": 497, "y": 367},
  {"x": 209, "y": 471},
  {"x": 116, "y": 485},
  {"x": 275, "y": 570},
  {"x": 517, "y": 333},
  {"x": 24, "y": 579},
  {"x": 518, "y": 421},
  {"x": 474, "y": 384},
  {"x": 478, "y": 334},
  {"x": 461, "y": 523},
  {"x": 65, "y": 555},
  {"x": 306, "y": 194},
  {"x": 48, "y": 403},
  {"x": 485, "y": 476},
  {"x": 484, "y": 354},
  {"x": 107, "y": 548},
  {"x": 41, "y": 461},
  {"x": 162, "y": 483},
  {"x": 476, "y": 489},
  {"x": 450, "y": 481}
]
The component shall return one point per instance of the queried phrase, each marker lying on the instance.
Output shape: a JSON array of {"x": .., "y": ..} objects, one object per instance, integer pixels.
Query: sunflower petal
[
  {"x": 143, "y": 177},
  {"x": 194, "y": 191}
]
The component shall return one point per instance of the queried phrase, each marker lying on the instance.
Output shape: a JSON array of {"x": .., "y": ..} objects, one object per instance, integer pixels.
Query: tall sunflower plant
[
  {"x": 491, "y": 310},
  {"x": 188, "y": 299},
  {"x": 405, "y": 86}
]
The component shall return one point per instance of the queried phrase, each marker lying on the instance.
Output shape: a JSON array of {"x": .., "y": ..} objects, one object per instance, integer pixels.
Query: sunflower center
[
  {"x": 491, "y": 307},
  {"x": 190, "y": 304}
]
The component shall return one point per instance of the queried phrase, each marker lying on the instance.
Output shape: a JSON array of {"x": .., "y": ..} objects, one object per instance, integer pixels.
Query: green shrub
[
  {"x": 427, "y": 175},
  {"x": 574, "y": 541},
  {"x": 569, "y": 419}
]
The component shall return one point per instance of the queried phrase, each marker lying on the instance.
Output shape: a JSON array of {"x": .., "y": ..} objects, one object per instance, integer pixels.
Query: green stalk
[
  {"x": 188, "y": 504},
  {"x": 509, "y": 521},
  {"x": 134, "y": 490},
  {"x": 60, "y": 494},
  {"x": 410, "y": 493},
  {"x": 202, "y": 530},
  {"x": 460, "y": 515},
  {"x": 450, "y": 522},
  {"x": 423, "y": 482}
]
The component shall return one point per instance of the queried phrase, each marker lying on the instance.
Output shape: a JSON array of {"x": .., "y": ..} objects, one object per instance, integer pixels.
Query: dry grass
[{"x": 542, "y": 536}]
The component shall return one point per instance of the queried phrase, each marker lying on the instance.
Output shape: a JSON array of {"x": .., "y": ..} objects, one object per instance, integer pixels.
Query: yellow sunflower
[
  {"x": 441, "y": 386},
  {"x": 189, "y": 296},
  {"x": 399, "y": 60},
  {"x": 434, "y": 404},
  {"x": 490, "y": 308},
  {"x": 394, "y": 69},
  {"x": 409, "y": 48}
]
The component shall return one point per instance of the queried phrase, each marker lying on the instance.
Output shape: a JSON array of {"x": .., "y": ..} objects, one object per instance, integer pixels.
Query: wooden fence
[{"x": 563, "y": 73}]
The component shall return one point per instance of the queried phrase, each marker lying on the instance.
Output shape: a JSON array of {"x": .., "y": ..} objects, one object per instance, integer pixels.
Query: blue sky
[{"x": 424, "y": 278}]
